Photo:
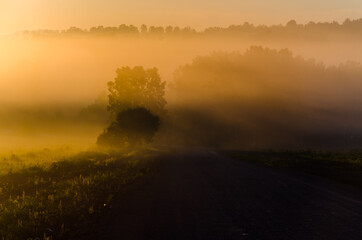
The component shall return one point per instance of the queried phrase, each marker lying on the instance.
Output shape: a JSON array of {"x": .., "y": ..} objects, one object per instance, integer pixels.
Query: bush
[{"x": 132, "y": 127}]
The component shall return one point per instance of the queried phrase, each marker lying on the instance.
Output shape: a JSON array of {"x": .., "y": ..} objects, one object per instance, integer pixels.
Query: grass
[
  {"x": 18, "y": 159},
  {"x": 47, "y": 199},
  {"x": 345, "y": 167}
]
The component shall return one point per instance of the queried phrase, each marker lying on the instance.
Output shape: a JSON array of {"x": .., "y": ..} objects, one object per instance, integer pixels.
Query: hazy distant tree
[
  {"x": 144, "y": 29},
  {"x": 169, "y": 29},
  {"x": 292, "y": 24},
  {"x": 110, "y": 30},
  {"x": 127, "y": 29},
  {"x": 156, "y": 30},
  {"x": 132, "y": 127},
  {"x": 188, "y": 30},
  {"x": 347, "y": 21},
  {"x": 311, "y": 24},
  {"x": 97, "y": 30},
  {"x": 132, "y": 29},
  {"x": 137, "y": 87},
  {"x": 74, "y": 30}
]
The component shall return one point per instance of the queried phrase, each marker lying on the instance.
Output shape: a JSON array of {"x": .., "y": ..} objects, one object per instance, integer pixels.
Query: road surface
[{"x": 198, "y": 194}]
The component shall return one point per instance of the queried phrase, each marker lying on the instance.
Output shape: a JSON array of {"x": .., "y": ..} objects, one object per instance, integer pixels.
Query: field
[
  {"x": 44, "y": 194},
  {"x": 54, "y": 193}
]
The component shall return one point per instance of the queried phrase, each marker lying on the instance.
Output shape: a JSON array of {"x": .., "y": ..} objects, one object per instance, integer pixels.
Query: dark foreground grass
[
  {"x": 49, "y": 202},
  {"x": 345, "y": 167}
]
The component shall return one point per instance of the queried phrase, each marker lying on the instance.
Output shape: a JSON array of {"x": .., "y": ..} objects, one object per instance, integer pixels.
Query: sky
[{"x": 18, "y": 15}]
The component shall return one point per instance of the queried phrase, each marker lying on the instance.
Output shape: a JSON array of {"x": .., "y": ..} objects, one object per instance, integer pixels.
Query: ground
[{"x": 199, "y": 194}]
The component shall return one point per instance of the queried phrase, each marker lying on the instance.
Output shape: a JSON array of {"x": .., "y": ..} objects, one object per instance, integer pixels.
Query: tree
[
  {"x": 292, "y": 24},
  {"x": 156, "y": 30},
  {"x": 132, "y": 127},
  {"x": 169, "y": 30},
  {"x": 144, "y": 29},
  {"x": 137, "y": 87}
]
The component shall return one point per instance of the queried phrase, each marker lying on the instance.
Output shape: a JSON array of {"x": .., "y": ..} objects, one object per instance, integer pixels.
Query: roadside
[
  {"x": 51, "y": 201},
  {"x": 344, "y": 167}
]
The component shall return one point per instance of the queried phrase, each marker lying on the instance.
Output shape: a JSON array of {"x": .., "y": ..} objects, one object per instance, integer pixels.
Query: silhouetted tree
[
  {"x": 137, "y": 87},
  {"x": 132, "y": 127}
]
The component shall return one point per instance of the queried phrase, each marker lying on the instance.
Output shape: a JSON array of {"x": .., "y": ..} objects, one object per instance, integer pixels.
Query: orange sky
[{"x": 16, "y": 15}]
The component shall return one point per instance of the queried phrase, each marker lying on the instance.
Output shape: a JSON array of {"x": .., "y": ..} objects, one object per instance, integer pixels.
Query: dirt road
[{"x": 198, "y": 194}]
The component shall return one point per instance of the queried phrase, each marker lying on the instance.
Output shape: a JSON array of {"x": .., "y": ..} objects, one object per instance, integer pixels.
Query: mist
[
  {"x": 53, "y": 85},
  {"x": 263, "y": 99}
]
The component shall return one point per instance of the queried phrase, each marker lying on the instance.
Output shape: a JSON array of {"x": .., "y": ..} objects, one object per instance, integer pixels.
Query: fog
[
  {"x": 266, "y": 99},
  {"x": 53, "y": 87}
]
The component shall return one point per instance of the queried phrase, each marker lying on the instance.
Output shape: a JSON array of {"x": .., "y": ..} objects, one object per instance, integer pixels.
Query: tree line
[{"x": 290, "y": 29}]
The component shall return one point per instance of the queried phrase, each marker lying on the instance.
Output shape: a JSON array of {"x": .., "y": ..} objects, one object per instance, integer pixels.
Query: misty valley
[{"x": 157, "y": 132}]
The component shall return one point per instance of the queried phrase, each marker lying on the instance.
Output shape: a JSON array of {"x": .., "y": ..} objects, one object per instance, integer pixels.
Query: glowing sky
[{"x": 18, "y": 15}]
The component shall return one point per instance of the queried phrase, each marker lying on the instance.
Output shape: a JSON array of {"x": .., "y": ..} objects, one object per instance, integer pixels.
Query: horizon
[
  {"x": 199, "y": 30},
  {"x": 39, "y": 14}
]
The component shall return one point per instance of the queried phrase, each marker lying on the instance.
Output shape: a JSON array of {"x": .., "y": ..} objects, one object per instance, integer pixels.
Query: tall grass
[{"x": 46, "y": 199}]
